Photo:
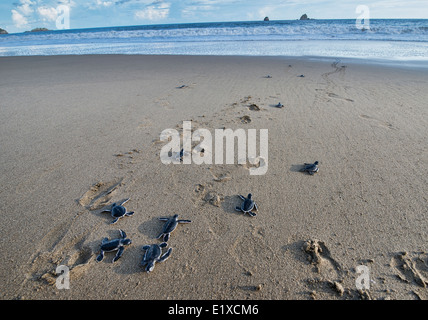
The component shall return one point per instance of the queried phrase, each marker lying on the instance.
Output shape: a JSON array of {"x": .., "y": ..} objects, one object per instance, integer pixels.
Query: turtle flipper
[
  {"x": 242, "y": 197},
  {"x": 114, "y": 221},
  {"x": 238, "y": 208},
  {"x": 164, "y": 219},
  {"x": 122, "y": 234},
  {"x": 118, "y": 254},
  {"x": 100, "y": 256},
  {"x": 252, "y": 213},
  {"x": 160, "y": 235},
  {"x": 166, "y": 237},
  {"x": 129, "y": 213},
  {"x": 255, "y": 206},
  {"x": 184, "y": 221},
  {"x": 165, "y": 255},
  {"x": 126, "y": 200}
]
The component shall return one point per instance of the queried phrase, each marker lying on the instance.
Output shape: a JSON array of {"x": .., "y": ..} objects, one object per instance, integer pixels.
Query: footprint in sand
[
  {"x": 245, "y": 119},
  {"x": 220, "y": 174},
  {"x": 59, "y": 247},
  {"x": 206, "y": 194},
  {"x": 411, "y": 268},
  {"x": 99, "y": 194},
  {"x": 333, "y": 95},
  {"x": 254, "y": 107},
  {"x": 380, "y": 123},
  {"x": 320, "y": 256}
]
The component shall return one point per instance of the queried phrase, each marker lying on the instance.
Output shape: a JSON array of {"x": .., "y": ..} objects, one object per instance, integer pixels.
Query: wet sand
[{"x": 81, "y": 132}]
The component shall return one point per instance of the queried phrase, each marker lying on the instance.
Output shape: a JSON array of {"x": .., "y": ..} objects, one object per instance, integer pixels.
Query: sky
[{"x": 22, "y": 15}]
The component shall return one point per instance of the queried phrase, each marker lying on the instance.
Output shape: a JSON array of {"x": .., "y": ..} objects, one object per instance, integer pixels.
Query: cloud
[
  {"x": 156, "y": 11},
  {"x": 19, "y": 20},
  {"x": 26, "y": 9},
  {"x": 101, "y": 3},
  {"x": 47, "y": 13}
]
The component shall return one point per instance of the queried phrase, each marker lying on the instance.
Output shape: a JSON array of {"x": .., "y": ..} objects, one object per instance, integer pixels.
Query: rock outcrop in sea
[
  {"x": 304, "y": 17},
  {"x": 266, "y": 19},
  {"x": 2, "y": 31},
  {"x": 38, "y": 30}
]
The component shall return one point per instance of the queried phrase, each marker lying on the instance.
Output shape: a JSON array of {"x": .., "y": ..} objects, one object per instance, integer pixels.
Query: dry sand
[{"x": 81, "y": 132}]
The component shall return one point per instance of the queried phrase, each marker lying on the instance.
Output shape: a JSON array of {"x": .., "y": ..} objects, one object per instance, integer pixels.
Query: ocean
[{"x": 387, "y": 39}]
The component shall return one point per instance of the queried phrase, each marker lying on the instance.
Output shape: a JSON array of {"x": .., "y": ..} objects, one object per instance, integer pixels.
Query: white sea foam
[{"x": 386, "y": 39}]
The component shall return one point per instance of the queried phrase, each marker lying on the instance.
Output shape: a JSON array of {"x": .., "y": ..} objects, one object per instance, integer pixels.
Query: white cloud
[
  {"x": 104, "y": 3},
  {"x": 47, "y": 13},
  {"x": 25, "y": 9},
  {"x": 19, "y": 20},
  {"x": 155, "y": 11}
]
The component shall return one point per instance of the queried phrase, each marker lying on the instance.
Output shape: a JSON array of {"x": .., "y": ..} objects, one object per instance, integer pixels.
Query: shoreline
[
  {"x": 81, "y": 132},
  {"x": 387, "y": 63}
]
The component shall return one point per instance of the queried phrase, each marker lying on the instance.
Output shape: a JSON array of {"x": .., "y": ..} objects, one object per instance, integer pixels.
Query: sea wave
[{"x": 126, "y": 39}]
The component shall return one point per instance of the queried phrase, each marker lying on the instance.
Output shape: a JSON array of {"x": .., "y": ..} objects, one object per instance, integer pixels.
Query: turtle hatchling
[
  {"x": 248, "y": 205},
  {"x": 169, "y": 226},
  {"x": 118, "y": 211},
  {"x": 310, "y": 168},
  {"x": 153, "y": 254},
  {"x": 114, "y": 245},
  {"x": 180, "y": 155}
]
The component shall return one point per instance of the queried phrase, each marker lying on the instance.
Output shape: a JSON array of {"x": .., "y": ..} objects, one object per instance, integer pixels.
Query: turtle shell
[
  {"x": 118, "y": 211},
  {"x": 248, "y": 205},
  {"x": 111, "y": 245},
  {"x": 153, "y": 253},
  {"x": 170, "y": 225}
]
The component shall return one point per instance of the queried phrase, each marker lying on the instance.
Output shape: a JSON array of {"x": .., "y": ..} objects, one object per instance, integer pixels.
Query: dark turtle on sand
[
  {"x": 310, "y": 168},
  {"x": 169, "y": 226},
  {"x": 279, "y": 105},
  {"x": 180, "y": 155},
  {"x": 248, "y": 205},
  {"x": 153, "y": 254},
  {"x": 118, "y": 211},
  {"x": 114, "y": 245}
]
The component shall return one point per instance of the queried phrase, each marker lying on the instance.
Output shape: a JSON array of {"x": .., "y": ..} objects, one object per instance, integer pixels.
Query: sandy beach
[{"x": 79, "y": 133}]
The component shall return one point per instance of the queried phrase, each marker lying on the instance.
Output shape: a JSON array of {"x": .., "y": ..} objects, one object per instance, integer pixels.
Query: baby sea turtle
[
  {"x": 153, "y": 255},
  {"x": 247, "y": 205},
  {"x": 169, "y": 226},
  {"x": 179, "y": 156},
  {"x": 310, "y": 168},
  {"x": 118, "y": 211},
  {"x": 113, "y": 245},
  {"x": 279, "y": 105}
]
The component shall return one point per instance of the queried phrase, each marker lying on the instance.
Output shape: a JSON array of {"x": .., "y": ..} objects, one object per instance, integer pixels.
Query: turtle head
[
  {"x": 316, "y": 163},
  {"x": 175, "y": 216},
  {"x": 150, "y": 266},
  {"x": 126, "y": 241},
  {"x": 249, "y": 196}
]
